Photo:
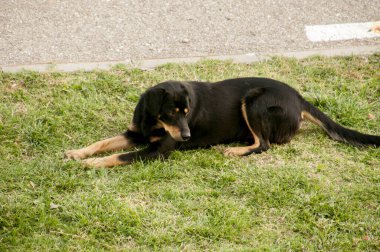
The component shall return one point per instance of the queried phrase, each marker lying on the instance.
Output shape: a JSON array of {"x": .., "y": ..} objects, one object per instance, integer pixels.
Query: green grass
[{"x": 311, "y": 194}]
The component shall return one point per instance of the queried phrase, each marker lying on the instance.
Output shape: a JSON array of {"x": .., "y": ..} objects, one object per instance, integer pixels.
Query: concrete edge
[{"x": 149, "y": 64}]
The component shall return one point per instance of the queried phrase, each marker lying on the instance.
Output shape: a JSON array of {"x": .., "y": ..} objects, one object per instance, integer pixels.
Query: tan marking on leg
[
  {"x": 240, "y": 151},
  {"x": 133, "y": 127},
  {"x": 306, "y": 115},
  {"x": 153, "y": 139},
  {"x": 110, "y": 144},
  {"x": 108, "y": 161}
]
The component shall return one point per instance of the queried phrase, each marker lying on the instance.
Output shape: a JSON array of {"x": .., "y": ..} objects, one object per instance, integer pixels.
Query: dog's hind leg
[
  {"x": 272, "y": 116},
  {"x": 260, "y": 143}
]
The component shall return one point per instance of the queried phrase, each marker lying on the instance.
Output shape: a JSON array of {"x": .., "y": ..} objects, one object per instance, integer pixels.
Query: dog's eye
[{"x": 186, "y": 110}]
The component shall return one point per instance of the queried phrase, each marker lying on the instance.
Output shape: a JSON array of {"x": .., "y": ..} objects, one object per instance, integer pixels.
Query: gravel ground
[{"x": 54, "y": 31}]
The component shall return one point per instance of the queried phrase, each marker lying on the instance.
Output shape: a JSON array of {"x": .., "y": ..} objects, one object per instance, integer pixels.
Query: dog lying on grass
[{"x": 184, "y": 115}]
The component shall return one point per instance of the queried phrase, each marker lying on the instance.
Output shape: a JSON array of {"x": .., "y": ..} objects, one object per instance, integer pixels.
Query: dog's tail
[{"x": 336, "y": 131}]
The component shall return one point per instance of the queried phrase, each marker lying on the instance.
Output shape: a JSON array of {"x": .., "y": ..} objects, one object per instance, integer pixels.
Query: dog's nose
[{"x": 185, "y": 136}]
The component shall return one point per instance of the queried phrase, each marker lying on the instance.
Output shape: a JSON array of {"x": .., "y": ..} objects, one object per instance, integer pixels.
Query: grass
[{"x": 311, "y": 194}]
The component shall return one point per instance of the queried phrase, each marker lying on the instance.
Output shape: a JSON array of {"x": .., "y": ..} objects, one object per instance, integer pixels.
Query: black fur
[
  {"x": 274, "y": 112},
  {"x": 340, "y": 133}
]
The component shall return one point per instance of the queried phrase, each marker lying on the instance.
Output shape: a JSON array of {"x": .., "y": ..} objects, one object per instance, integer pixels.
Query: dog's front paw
[
  {"x": 103, "y": 161},
  {"x": 76, "y": 154}
]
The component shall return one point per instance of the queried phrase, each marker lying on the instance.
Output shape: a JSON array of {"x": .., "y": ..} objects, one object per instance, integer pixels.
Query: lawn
[{"x": 311, "y": 194}]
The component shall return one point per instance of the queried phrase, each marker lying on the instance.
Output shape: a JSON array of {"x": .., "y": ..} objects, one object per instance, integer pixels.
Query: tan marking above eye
[
  {"x": 186, "y": 110},
  {"x": 176, "y": 109}
]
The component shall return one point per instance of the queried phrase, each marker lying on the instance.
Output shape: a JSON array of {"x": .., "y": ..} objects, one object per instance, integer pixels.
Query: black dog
[{"x": 182, "y": 115}]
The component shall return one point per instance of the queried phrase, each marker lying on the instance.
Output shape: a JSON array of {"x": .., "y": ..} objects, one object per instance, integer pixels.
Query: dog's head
[{"x": 168, "y": 105}]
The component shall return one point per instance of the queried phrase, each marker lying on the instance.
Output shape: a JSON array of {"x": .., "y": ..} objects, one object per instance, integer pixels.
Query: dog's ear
[{"x": 153, "y": 100}]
